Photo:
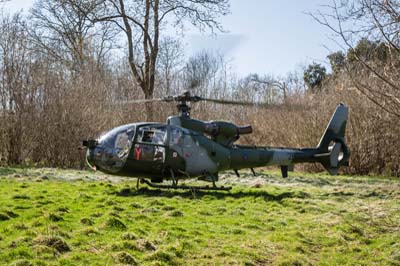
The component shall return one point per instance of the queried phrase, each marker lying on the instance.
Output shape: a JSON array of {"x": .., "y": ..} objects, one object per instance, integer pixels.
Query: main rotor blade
[
  {"x": 236, "y": 102},
  {"x": 170, "y": 99},
  {"x": 142, "y": 101},
  {"x": 188, "y": 98}
]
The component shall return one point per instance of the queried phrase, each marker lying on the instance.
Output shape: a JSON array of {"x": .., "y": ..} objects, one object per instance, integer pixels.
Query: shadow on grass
[
  {"x": 128, "y": 192},
  {"x": 6, "y": 171}
]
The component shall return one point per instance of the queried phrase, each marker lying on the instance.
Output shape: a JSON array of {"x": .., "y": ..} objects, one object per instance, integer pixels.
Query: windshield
[
  {"x": 110, "y": 137},
  {"x": 114, "y": 147}
]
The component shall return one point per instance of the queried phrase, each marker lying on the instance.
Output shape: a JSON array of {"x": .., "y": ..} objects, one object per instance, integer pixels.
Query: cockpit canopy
[{"x": 112, "y": 149}]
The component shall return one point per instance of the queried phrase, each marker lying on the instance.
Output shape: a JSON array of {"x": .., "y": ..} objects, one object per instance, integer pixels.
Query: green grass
[{"x": 66, "y": 217}]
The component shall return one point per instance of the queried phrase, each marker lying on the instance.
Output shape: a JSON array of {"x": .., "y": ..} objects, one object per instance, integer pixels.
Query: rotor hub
[{"x": 183, "y": 99}]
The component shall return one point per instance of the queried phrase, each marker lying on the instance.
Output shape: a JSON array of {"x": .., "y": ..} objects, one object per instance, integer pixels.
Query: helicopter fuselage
[
  {"x": 187, "y": 148},
  {"x": 153, "y": 150}
]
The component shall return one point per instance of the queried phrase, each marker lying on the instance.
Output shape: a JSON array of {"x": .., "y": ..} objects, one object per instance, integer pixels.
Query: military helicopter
[{"x": 184, "y": 148}]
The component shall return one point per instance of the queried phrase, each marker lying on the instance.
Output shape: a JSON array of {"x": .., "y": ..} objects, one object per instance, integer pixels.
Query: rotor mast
[
  {"x": 183, "y": 100},
  {"x": 183, "y": 108}
]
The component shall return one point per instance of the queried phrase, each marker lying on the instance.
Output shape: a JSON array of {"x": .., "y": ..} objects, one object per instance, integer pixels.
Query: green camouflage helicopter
[{"x": 185, "y": 148}]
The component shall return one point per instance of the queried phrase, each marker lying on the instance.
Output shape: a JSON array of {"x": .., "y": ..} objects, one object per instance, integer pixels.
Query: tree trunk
[{"x": 149, "y": 108}]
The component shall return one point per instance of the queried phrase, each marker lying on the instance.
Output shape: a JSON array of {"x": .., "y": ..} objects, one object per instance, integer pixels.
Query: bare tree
[
  {"x": 170, "y": 61},
  {"x": 141, "y": 23},
  {"x": 17, "y": 89},
  {"x": 377, "y": 21},
  {"x": 200, "y": 70},
  {"x": 271, "y": 84},
  {"x": 66, "y": 34}
]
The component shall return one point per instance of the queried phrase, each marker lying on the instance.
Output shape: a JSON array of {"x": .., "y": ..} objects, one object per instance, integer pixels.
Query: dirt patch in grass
[
  {"x": 126, "y": 258},
  {"x": 115, "y": 223},
  {"x": 54, "y": 242},
  {"x": 145, "y": 244},
  {"x": 87, "y": 221}
]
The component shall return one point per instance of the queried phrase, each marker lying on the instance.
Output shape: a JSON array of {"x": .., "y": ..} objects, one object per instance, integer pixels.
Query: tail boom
[
  {"x": 331, "y": 152},
  {"x": 250, "y": 157}
]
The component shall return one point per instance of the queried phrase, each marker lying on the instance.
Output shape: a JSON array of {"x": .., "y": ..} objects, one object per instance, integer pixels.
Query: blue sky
[
  {"x": 267, "y": 36},
  {"x": 264, "y": 36}
]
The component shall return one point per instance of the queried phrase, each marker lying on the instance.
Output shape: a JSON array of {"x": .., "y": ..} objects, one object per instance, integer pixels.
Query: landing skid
[{"x": 192, "y": 188}]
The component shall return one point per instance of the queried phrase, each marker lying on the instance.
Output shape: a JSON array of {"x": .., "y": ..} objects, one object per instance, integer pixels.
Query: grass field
[{"x": 66, "y": 217}]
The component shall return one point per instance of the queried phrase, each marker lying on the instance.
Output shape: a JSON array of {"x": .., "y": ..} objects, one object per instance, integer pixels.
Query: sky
[{"x": 263, "y": 36}]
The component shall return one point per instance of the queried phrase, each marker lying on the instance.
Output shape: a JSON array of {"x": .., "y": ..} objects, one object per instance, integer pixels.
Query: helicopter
[{"x": 186, "y": 148}]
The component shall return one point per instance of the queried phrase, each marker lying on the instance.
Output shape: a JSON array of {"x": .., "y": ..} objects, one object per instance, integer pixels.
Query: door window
[
  {"x": 149, "y": 146},
  {"x": 154, "y": 135}
]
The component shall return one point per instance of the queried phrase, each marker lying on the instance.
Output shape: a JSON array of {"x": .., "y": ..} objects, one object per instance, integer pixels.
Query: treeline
[{"x": 67, "y": 68}]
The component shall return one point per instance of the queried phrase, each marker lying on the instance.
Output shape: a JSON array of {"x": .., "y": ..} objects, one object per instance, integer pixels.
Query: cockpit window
[
  {"x": 153, "y": 134},
  {"x": 123, "y": 143},
  {"x": 109, "y": 138},
  {"x": 114, "y": 147}
]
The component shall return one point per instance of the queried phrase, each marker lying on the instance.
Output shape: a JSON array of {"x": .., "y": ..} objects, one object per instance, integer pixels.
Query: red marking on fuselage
[{"x": 138, "y": 151}]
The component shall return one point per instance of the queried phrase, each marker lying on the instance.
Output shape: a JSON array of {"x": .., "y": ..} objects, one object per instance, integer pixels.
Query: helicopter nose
[
  {"x": 92, "y": 149},
  {"x": 110, "y": 151},
  {"x": 104, "y": 158}
]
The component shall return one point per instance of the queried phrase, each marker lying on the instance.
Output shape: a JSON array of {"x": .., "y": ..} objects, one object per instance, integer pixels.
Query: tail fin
[{"x": 332, "y": 146}]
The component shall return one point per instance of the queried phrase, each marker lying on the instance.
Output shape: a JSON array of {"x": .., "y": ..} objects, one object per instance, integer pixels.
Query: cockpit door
[{"x": 150, "y": 144}]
